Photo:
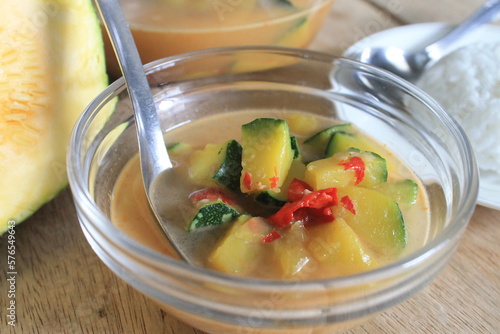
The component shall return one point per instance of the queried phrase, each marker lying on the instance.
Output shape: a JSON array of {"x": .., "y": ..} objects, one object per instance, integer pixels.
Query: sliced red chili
[
  {"x": 312, "y": 207},
  {"x": 311, "y": 216},
  {"x": 297, "y": 189},
  {"x": 357, "y": 165},
  {"x": 348, "y": 204},
  {"x": 271, "y": 236},
  {"x": 212, "y": 195},
  {"x": 275, "y": 179},
  {"x": 247, "y": 181}
]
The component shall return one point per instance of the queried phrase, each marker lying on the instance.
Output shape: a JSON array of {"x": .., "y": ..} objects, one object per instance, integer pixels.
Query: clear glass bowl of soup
[
  {"x": 163, "y": 28},
  {"x": 231, "y": 82}
]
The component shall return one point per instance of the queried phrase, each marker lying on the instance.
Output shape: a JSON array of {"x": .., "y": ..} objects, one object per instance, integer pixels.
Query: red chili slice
[
  {"x": 212, "y": 195},
  {"x": 357, "y": 165},
  {"x": 247, "y": 181},
  {"x": 348, "y": 204},
  {"x": 273, "y": 235},
  {"x": 275, "y": 179},
  {"x": 297, "y": 189},
  {"x": 310, "y": 216},
  {"x": 314, "y": 207}
]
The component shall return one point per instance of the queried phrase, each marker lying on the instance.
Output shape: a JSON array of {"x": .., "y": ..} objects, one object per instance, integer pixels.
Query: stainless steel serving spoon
[
  {"x": 411, "y": 65},
  {"x": 158, "y": 173}
]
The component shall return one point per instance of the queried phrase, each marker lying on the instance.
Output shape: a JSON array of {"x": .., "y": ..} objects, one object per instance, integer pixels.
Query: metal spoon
[
  {"x": 157, "y": 170},
  {"x": 411, "y": 65}
]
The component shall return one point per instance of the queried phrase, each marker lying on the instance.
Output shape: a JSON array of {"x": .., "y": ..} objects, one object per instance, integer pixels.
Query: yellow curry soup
[{"x": 329, "y": 208}]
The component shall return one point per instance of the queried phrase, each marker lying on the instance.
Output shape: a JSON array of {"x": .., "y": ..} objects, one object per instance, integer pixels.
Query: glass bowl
[
  {"x": 163, "y": 28},
  {"x": 198, "y": 84}
]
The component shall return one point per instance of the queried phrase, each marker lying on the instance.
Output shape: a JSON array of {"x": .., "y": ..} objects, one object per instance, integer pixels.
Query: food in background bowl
[
  {"x": 318, "y": 86},
  {"x": 164, "y": 28},
  {"x": 296, "y": 201}
]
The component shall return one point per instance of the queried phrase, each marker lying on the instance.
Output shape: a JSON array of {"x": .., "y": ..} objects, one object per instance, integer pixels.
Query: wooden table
[{"x": 62, "y": 287}]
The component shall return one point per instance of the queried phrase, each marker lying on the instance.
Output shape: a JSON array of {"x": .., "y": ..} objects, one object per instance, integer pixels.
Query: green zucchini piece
[
  {"x": 217, "y": 164},
  {"x": 229, "y": 172},
  {"x": 375, "y": 167},
  {"x": 266, "y": 154},
  {"x": 271, "y": 198},
  {"x": 295, "y": 148},
  {"x": 294, "y": 34},
  {"x": 179, "y": 148},
  {"x": 213, "y": 213},
  {"x": 319, "y": 141},
  {"x": 341, "y": 141},
  {"x": 338, "y": 246},
  {"x": 278, "y": 199},
  {"x": 402, "y": 191},
  {"x": 285, "y": 3},
  {"x": 377, "y": 219}
]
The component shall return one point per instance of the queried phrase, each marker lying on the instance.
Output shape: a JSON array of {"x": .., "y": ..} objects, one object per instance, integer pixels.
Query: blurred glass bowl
[
  {"x": 163, "y": 28},
  {"x": 195, "y": 85}
]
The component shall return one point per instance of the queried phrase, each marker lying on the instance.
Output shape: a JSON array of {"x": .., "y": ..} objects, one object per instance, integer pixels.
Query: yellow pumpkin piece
[
  {"x": 289, "y": 252},
  {"x": 302, "y": 124},
  {"x": 338, "y": 246},
  {"x": 205, "y": 162},
  {"x": 242, "y": 248}
]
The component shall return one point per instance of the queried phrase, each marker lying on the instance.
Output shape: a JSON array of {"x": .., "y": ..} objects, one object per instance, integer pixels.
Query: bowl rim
[{"x": 84, "y": 199}]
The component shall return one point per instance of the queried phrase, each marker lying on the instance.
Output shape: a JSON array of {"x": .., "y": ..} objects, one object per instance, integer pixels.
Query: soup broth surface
[
  {"x": 163, "y": 28},
  {"x": 131, "y": 213}
]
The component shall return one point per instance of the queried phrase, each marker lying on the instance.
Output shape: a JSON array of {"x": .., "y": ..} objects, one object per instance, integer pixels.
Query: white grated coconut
[{"x": 467, "y": 84}]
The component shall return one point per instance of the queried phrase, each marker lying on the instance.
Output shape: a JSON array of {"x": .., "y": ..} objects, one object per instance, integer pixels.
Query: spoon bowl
[{"x": 409, "y": 64}]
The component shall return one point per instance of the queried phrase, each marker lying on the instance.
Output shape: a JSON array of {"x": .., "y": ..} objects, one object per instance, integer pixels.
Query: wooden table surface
[{"x": 62, "y": 287}]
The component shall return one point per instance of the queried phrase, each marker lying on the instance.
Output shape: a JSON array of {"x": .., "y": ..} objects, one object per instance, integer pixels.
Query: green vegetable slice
[
  {"x": 319, "y": 141},
  {"x": 271, "y": 198},
  {"x": 295, "y": 148},
  {"x": 178, "y": 148},
  {"x": 229, "y": 172},
  {"x": 402, "y": 191},
  {"x": 341, "y": 141},
  {"x": 266, "y": 154},
  {"x": 214, "y": 213},
  {"x": 375, "y": 217}
]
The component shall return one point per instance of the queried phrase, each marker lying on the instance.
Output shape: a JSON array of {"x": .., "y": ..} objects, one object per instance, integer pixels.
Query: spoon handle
[
  {"x": 152, "y": 147},
  {"x": 483, "y": 15}
]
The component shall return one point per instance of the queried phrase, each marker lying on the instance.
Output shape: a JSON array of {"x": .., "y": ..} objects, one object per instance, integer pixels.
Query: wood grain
[{"x": 62, "y": 287}]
